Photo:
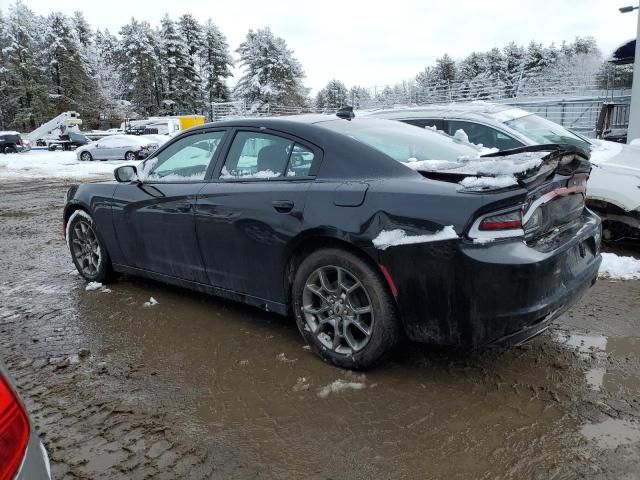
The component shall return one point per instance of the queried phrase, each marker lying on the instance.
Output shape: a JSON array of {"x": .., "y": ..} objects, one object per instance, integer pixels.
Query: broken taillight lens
[
  {"x": 503, "y": 221},
  {"x": 14, "y": 432}
]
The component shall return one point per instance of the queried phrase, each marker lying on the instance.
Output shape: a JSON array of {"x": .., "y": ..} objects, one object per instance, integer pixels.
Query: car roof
[{"x": 486, "y": 111}]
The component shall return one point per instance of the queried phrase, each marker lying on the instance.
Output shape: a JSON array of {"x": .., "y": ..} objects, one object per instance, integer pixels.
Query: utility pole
[{"x": 633, "y": 131}]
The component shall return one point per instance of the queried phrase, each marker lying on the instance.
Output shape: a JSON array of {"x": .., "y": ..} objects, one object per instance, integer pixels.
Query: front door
[
  {"x": 154, "y": 218},
  {"x": 249, "y": 212}
]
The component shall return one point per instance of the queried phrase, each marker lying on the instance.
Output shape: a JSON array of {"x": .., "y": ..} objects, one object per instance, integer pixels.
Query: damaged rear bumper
[{"x": 460, "y": 293}]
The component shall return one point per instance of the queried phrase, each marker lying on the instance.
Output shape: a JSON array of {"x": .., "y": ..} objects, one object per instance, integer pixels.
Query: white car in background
[
  {"x": 117, "y": 147},
  {"x": 614, "y": 184}
]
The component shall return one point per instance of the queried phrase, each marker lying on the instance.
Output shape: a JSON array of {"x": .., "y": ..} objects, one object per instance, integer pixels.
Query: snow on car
[{"x": 614, "y": 184}]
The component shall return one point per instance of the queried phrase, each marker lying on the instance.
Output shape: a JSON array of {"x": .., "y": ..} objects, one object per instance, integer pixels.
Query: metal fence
[{"x": 574, "y": 102}]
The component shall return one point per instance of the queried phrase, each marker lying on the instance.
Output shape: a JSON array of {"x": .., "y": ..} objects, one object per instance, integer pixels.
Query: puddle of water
[
  {"x": 612, "y": 433},
  {"x": 584, "y": 344},
  {"x": 243, "y": 377}
]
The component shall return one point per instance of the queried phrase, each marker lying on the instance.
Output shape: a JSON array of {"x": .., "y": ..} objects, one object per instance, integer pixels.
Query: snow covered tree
[
  {"x": 71, "y": 83},
  {"x": 82, "y": 29},
  {"x": 445, "y": 69},
  {"x": 513, "y": 71},
  {"x": 332, "y": 97},
  {"x": 138, "y": 65},
  {"x": 272, "y": 75},
  {"x": 192, "y": 35},
  {"x": 215, "y": 63},
  {"x": 24, "y": 95},
  {"x": 359, "y": 97}
]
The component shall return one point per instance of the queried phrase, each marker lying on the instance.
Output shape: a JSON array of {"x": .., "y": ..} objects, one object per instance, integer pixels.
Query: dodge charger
[{"x": 366, "y": 231}]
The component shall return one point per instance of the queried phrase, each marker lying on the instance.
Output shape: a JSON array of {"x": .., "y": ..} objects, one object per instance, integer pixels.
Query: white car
[
  {"x": 117, "y": 147},
  {"x": 614, "y": 184}
]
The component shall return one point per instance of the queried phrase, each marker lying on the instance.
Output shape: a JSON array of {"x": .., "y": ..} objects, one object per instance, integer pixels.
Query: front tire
[
  {"x": 344, "y": 310},
  {"x": 86, "y": 157},
  {"x": 88, "y": 253}
]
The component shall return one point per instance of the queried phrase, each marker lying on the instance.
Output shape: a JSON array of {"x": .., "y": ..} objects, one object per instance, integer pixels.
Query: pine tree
[
  {"x": 359, "y": 97},
  {"x": 272, "y": 75},
  {"x": 215, "y": 63},
  {"x": 82, "y": 29},
  {"x": 192, "y": 35},
  {"x": 332, "y": 97},
  {"x": 514, "y": 64},
  {"x": 138, "y": 66},
  {"x": 25, "y": 104},
  {"x": 445, "y": 69}
]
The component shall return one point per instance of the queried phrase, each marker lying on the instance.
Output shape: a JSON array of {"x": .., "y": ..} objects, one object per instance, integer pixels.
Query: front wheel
[
  {"x": 344, "y": 310},
  {"x": 87, "y": 251},
  {"x": 86, "y": 157},
  {"x": 130, "y": 156}
]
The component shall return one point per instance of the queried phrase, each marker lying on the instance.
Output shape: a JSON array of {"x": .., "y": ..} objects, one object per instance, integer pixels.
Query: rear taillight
[
  {"x": 14, "y": 432},
  {"x": 20, "y": 142},
  {"x": 503, "y": 221}
]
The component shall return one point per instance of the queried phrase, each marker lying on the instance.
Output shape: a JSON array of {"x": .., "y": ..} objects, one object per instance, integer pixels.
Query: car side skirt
[{"x": 263, "y": 304}]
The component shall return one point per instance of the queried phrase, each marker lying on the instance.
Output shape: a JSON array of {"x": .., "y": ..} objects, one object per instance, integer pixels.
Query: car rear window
[{"x": 402, "y": 142}]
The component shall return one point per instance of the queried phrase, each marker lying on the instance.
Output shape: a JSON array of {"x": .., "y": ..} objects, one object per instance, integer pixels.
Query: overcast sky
[{"x": 377, "y": 42}]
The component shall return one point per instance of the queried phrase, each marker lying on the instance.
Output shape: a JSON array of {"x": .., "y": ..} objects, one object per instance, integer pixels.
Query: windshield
[
  {"x": 541, "y": 131},
  {"x": 402, "y": 142}
]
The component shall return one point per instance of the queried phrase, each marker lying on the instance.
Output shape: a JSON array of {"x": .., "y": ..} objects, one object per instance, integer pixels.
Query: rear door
[
  {"x": 253, "y": 207},
  {"x": 154, "y": 219}
]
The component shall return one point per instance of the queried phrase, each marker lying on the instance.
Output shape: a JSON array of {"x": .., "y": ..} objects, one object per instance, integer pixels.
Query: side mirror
[{"x": 126, "y": 174}]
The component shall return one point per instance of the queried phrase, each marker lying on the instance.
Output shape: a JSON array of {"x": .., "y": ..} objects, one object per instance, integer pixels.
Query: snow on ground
[
  {"x": 339, "y": 386},
  {"x": 621, "y": 268},
  {"x": 58, "y": 164},
  {"x": 390, "y": 238},
  {"x": 152, "y": 302}
]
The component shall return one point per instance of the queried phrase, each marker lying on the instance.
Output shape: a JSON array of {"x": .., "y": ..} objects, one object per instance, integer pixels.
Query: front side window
[
  {"x": 257, "y": 155},
  {"x": 185, "y": 160},
  {"x": 483, "y": 135}
]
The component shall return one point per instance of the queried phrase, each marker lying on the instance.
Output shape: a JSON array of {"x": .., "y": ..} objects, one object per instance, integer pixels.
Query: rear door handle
[
  {"x": 183, "y": 207},
  {"x": 282, "y": 206}
]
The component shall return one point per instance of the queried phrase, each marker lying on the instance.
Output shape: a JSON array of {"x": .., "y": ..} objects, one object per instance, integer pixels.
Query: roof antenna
[{"x": 346, "y": 113}]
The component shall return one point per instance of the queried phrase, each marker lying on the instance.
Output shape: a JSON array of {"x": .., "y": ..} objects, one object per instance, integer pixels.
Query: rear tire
[
  {"x": 88, "y": 253},
  {"x": 344, "y": 310},
  {"x": 130, "y": 156},
  {"x": 10, "y": 149}
]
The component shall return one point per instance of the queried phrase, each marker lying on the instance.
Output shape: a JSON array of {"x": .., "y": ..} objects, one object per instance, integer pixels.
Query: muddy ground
[{"x": 197, "y": 387}]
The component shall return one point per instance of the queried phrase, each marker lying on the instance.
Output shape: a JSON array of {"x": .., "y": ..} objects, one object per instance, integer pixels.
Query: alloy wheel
[
  {"x": 85, "y": 247},
  {"x": 338, "y": 310},
  {"x": 130, "y": 156},
  {"x": 86, "y": 156}
]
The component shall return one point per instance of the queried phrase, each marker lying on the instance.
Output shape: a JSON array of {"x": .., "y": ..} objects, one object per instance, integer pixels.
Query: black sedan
[{"x": 364, "y": 229}]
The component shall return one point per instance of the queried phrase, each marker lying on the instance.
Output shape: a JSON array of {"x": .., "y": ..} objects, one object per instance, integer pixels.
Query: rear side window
[
  {"x": 257, "y": 155},
  {"x": 483, "y": 135},
  {"x": 426, "y": 122},
  {"x": 300, "y": 161}
]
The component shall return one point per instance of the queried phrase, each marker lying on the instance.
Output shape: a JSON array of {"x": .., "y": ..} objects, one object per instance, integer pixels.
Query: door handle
[
  {"x": 282, "y": 206},
  {"x": 183, "y": 207}
]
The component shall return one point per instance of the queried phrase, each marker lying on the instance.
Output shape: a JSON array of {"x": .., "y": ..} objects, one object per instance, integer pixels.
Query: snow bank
[
  {"x": 339, "y": 386},
  {"x": 391, "y": 238},
  {"x": 43, "y": 163},
  {"x": 621, "y": 268}
]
